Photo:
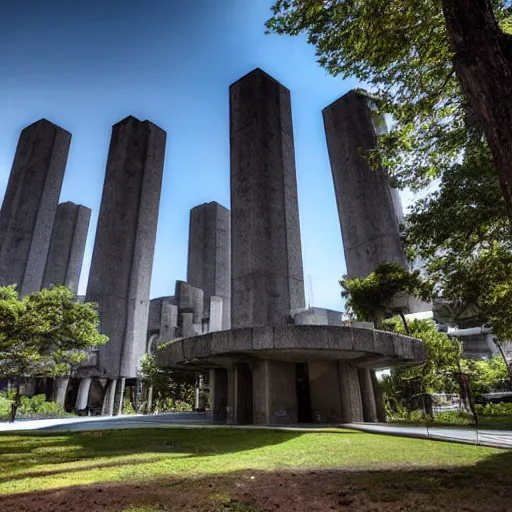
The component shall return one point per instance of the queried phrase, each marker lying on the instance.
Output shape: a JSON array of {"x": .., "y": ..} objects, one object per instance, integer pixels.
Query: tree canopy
[{"x": 44, "y": 334}]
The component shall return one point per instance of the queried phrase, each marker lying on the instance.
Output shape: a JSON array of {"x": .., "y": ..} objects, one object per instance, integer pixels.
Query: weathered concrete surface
[
  {"x": 274, "y": 392},
  {"x": 368, "y": 220},
  {"x": 190, "y": 299},
  {"x": 365, "y": 348},
  {"x": 368, "y": 395},
  {"x": 318, "y": 316},
  {"x": 209, "y": 255},
  {"x": 162, "y": 320},
  {"x": 30, "y": 203},
  {"x": 217, "y": 316},
  {"x": 122, "y": 260},
  {"x": 67, "y": 246},
  {"x": 267, "y": 275},
  {"x": 219, "y": 394},
  {"x": 60, "y": 388},
  {"x": 351, "y": 400},
  {"x": 324, "y": 385},
  {"x": 82, "y": 398}
]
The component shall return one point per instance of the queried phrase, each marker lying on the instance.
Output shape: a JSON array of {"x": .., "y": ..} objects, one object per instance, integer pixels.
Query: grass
[
  {"x": 181, "y": 464},
  {"x": 484, "y": 423}
]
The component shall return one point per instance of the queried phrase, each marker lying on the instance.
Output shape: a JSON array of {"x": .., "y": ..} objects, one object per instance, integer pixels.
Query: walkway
[{"x": 496, "y": 438}]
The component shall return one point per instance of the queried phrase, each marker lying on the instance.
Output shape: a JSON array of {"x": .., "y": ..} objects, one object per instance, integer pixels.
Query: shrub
[
  {"x": 32, "y": 408},
  {"x": 501, "y": 409}
]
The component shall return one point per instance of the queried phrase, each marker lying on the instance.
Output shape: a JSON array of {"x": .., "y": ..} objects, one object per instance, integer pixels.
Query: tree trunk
[
  {"x": 16, "y": 402},
  {"x": 482, "y": 64},
  {"x": 404, "y": 321}
]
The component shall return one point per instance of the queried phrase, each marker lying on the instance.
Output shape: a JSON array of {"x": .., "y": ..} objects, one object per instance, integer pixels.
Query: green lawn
[{"x": 145, "y": 458}]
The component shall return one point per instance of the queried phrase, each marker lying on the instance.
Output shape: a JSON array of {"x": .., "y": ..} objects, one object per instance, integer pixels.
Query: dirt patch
[{"x": 305, "y": 491}]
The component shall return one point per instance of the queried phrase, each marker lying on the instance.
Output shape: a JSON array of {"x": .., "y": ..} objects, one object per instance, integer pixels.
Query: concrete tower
[
  {"x": 367, "y": 210},
  {"x": 122, "y": 260},
  {"x": 30, "y": 203},
  {"x": 267, "y": 276},
  {"x": 67, "y": 246},
  {"x": 209, "y": 261}
]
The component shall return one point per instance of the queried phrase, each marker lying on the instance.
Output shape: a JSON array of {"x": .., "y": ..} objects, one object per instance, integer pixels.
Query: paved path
[{"x": 497, "y": 438}]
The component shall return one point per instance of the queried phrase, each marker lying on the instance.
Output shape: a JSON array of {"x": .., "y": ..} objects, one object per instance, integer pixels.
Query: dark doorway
[
  {"x": 243, "y": 394},
  {"x": 303, "y": 396}
]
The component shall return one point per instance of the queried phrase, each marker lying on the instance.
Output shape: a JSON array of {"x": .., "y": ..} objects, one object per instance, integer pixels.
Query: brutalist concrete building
[{"x": 279, "y": 363}]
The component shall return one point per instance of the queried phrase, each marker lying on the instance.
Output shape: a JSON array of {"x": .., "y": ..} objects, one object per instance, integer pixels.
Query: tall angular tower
[
  {"x": 367, "y": 210},
  {"x": 122, "y": 261},
  {"x": 209, "y": 260},
  {"x": 30, "y": 203},
  {"x": 67, "y": 246},
  {"x": 267, "y": 276}
]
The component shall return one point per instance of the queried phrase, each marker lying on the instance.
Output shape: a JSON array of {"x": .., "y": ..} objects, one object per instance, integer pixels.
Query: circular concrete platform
[{"x": 364, "y": 348}]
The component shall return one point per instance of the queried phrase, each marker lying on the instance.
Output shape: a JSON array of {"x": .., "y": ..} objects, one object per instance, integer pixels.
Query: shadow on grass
[
  {"x": 484, "y": 486},
  {"x": 30, "y": 450}
]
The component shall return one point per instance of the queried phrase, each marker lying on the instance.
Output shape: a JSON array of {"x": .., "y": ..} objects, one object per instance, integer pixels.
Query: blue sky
[{"x": 85, "y": 65}]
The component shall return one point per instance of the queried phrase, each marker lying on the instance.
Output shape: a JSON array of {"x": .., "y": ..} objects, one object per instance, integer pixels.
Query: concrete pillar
[
  {"x": 119, "y": 397},
  {"x": 109, "y": 399},
  {"x": 219, "y": 394},
  {"x": 368, "y": 220},
  {"x": 169, "y": 321},
  {"x": 122, "y": 260},
  {"x": 243, "y": 394},
  {"x": 351, "y": 401},
  {"x": 275, "y": 393},
  {"x": 216, "y": 314},
  {"x": 190, "y": 300},
  {"x": 82, "y": 398},
  {"x": 367, "y": 395},
  {"x": 231, "y": 406},
  {"x": 67, "y": 246},
  {"x": 187, "y": 325},
  {"x": 209, "y": 255},
  {"x": 379, "y": 399},
  {"x": 30, "y": 203},
  {"x": 267, "y": 275},
  {"x": 60, "y": 388},
  {"x": 324, "y": 387}
]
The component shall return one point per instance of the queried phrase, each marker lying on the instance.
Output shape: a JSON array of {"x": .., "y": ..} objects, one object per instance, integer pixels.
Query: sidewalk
[{"x": 494, "y": 438}]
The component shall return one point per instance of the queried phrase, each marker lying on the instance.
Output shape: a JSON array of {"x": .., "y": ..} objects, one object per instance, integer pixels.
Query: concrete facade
[
  {"x": 122, "y": 259},
  {"x": 366, "y": 205},
  {"x": 209, "y": 255},
  {"x": 67, "y": 246},
  {"x": 30, "y": 203},
  {"x": 267, "y": 276}
]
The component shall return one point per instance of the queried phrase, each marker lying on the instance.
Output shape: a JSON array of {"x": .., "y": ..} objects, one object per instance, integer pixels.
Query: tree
[
  {"x": 374, "y": 297},
  {"x": 46, "y": 333},
  {"x": 441, "y": 68},
  {"x": 169, "y": 390}
]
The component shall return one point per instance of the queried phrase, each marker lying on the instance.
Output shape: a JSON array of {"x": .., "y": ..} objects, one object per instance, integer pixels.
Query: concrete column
[
  {"x": 109, "y": 399},
  {"x": 169, "y": 321},
  {"x": 187, "y": 325},
  {"x": 30, "y": 203},
  {"x": 367, "y": 395},
  {"x": 60, "y": 388},
  {"x": 231, "y": 405},
  {"x": 267, "y": 275},
  {"x": 351, "y": 401},
  {"x": 379, "y": 399},
  {"x": 219, "y": 394},
  {"x": 369, "y": 223},
  {"x": 216, "y": 314},
  {"x": 67, "y": 246},
  {"x": 275, "y": 393},
  {"x": 82, "y": 398},
  {"x": 209, "y": 255},
  {"x": 243, "y": 394},
  {"x": 324, "y": 387},
  {"x": 122, "y": 260},
  {"x": 118, "y": 397}
]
